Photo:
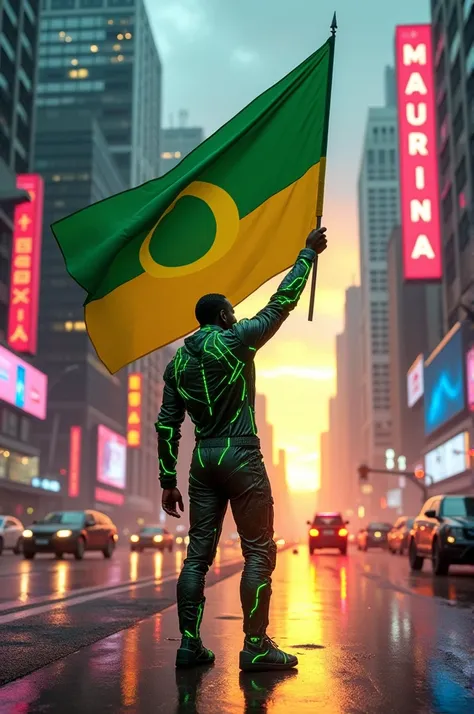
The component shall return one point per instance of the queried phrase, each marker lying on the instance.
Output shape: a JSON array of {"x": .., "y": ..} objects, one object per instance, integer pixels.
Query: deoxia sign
[{"x": 418, "y": 157}]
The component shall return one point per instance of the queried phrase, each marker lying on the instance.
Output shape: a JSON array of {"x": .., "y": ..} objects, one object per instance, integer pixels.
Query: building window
[
  {"x": 458, "y": 124},
  {"x": 461, "y": 175},
  {"x": 449, "y": 262},
  {"x": 464, "y": 231}
]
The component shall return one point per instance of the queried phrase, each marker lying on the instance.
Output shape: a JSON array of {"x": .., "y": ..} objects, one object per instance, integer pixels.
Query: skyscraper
[
  {"x": 378, "y": 193},
  {"x": 19, "y": 25},
  {"x": 101, "y": 55},
  {"x": 453, "y": 43},
  {"x": 176, "y": 143},
  {"x": 98, "y": 58}
]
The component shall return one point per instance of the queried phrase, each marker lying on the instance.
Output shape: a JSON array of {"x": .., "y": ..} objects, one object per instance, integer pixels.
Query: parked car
[
  {"x": 328, "y": 530},
  {"x": 444, "y": 532},
  {"x": 375, "y": 535},
  {"x": 73, "y": 532},
  {"x": 11, "y": 530},
  {"x": 155, "y": 537},
  {"x": 398, "y": 535}
]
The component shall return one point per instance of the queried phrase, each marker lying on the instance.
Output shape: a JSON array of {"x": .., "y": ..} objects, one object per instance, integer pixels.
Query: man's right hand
[{"x": 317, "y": 240}]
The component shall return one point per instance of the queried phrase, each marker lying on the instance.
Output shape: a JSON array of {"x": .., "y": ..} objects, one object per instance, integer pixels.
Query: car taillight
[
  {"x": 342, "y": 531},
  {"x": 314, "y": 532}
]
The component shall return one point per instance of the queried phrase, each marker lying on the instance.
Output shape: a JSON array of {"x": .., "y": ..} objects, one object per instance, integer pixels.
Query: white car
[{"x": 11, "y": 530}]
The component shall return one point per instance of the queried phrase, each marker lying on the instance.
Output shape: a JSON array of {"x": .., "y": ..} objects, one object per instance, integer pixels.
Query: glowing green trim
[
  {"x": 285, "y": 658},
  {"x": 257, "y": 596},
  {"x": 165, "y": 470},
  {"x": 206, "y": 390},
  {"x": 199, "y": 456},
  {"x": 254, "y": 428},
  {"x": 254, "y": 349},
  {"x": 224, "y": 452},
  {"x": 199, "y": 618},
  {"x": 189, "y": 634},
  {"x": 259, "y": 656}
]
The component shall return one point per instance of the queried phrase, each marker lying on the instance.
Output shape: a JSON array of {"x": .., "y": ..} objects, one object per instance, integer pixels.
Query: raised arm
[
  {"x": 168, "y": 428},
  {"x": 258, "y": 330}
]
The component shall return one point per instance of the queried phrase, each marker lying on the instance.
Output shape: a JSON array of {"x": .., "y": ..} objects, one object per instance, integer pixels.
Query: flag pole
[{"x": 322, "y": 174}]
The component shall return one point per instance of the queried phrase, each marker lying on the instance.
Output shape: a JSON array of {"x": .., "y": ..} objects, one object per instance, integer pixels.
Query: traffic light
[
  {"x": 363, "y": 472},
  {"x": 420, "y": 473}
]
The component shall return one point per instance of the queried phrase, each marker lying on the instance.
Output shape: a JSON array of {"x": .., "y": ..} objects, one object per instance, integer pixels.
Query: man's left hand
[{"x": 170, "y": 499}]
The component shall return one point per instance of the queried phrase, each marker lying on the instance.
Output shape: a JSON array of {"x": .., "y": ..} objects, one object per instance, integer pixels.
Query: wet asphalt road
[{"x": 370, "y": 637}]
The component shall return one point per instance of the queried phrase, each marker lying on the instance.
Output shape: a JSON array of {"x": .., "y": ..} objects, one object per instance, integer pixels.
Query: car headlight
[
  {"x": 456, "y": 532},
  {"x": 134, "y": 538},
  {"x": 377, "y": 534},
  {"x": 27, "y": 533},
  {"x": 158, "y": 538},
  {"x": 179, "y": 540},
  {"x": 64, "y": 534}
]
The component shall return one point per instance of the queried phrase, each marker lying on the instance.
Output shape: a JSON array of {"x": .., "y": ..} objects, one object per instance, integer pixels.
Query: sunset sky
[{"x": 217, "y": 56}]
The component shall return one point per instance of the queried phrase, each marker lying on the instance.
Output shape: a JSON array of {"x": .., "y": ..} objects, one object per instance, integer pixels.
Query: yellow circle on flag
[{"x": 227, "y": 219}]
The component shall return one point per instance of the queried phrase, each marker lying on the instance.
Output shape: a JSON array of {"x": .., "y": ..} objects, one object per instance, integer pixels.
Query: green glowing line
[
  {"x": 199, "y": 618},
  {"x": 254, "y": 429},
  {"x": 206, "y": 390},
  {"x": 189, "y": 634},
  {"x": 254, "y": 349},
  {"x": 284, "y": 658},
  {"x": 257, "y": 596},
  {"x": 224, "y": 452},
  {"x": 259, "y": 656},
  {"x": 200, "y": 457},
  {"x": 166, "y": 471}
]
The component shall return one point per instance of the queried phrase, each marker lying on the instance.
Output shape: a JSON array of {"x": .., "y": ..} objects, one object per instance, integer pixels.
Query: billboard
[
  {"x": 415, "y": 382},
  {"x": 111, "y": 457},
  {"x": 444, "y": 381},
  {"x": 448, "y": 459},
  {"x": 75, "y": 438},
  {"x": 134, "y": 418},
  {"x": 25, "y": 267},
  {"x": 22, "y": 385},
  {"x": 110, "y": 497},
  {"x": 419, "y": 200},
  {"x": 470, "y": 378}
]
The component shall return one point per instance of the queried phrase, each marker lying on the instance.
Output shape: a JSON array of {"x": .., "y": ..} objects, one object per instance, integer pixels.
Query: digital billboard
[
  {"x": 25, "y": 266},
  {"x": 22, "y": 385},
  {"x": 470, "y": 378},
  {"x": 419, "y": 201},
  {"x": 448, "y": 459},
  {"x": 415, "y": 382},
  {"x": 111, "y": 457},
  {"x": 444, "y": 381},
  {"x": 75, "y": 438},
  {"x": 134, "y": 418}
]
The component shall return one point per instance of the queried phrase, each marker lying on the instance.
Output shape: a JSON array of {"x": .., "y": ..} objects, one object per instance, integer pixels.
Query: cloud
[
  {"x": 317, "y": 374},
  {"x": 244, "y": 57}
]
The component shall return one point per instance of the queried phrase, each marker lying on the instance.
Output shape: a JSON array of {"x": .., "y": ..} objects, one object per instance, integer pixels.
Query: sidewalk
[{"x": 362, "y": 650}]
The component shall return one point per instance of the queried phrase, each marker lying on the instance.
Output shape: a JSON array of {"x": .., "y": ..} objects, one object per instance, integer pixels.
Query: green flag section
[{"x": 229, "y": 217}]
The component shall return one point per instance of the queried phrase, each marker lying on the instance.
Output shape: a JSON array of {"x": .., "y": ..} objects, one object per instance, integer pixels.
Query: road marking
[{"x": 90, "y": 596}]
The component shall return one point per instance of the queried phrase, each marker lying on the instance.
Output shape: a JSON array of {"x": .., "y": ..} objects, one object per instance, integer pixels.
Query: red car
[{"x": 328, "y": 530}]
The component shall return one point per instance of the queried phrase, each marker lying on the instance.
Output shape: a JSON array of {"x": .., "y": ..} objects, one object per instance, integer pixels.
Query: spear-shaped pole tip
[{"x": 334, "y": 24}]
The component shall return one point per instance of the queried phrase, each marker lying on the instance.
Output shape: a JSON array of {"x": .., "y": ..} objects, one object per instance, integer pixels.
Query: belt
[{"x": 250, "y": 441}]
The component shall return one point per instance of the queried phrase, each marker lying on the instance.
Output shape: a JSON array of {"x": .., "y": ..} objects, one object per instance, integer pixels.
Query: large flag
[{"x": 229, "y": 217}]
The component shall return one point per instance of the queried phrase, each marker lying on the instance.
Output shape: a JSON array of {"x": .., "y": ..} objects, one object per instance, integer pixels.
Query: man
[{"x": 212, "y": 378}]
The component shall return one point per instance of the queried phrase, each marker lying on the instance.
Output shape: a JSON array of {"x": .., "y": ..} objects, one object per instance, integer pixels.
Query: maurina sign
[{"x": 417, "y": 148}]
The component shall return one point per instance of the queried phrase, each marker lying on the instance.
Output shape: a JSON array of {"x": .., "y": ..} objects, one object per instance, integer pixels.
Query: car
[
  {"x": 444, "y": 532},
  {"x": 11, "y": 530},
  {"x": 398, "y": 535},
  {"x": 73, "y": 532},
  {"x": 375, "y": 535},
  {"x": 155, "y": 537},
  {"x": 328, "y": 530}
]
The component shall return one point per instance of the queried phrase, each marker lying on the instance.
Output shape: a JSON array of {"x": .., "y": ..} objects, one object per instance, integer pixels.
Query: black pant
[{"x": 220, "y": 474}]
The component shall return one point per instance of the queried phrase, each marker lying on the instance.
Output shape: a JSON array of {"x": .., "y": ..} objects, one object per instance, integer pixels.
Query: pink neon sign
[{"x": 418, "y": 157}]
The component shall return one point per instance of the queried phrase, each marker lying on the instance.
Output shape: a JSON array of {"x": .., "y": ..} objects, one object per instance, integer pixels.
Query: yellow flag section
[{"x": 157, "y": 306}]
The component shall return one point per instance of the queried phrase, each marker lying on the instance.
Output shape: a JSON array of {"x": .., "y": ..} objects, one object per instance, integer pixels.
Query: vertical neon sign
[{"x": 25, "y": 267}]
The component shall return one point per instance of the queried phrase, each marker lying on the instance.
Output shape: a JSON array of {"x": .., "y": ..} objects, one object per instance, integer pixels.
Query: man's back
[{"x": 214, "y": 374}]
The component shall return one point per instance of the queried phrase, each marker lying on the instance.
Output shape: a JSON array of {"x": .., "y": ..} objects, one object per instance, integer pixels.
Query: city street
[{"x": 369, "y": 636}]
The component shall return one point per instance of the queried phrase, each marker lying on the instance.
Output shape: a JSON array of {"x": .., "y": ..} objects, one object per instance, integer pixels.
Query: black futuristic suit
[{"x": 213, "y": 378}]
